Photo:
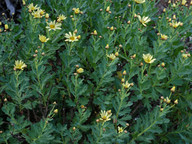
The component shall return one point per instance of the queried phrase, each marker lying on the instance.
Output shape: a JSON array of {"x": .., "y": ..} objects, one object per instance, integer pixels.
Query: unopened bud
[
  {"x": 124, "y": 72},
  {"x": 163, "y": 64},
  {"x": 176, "y": 101},
  {"x": 173, "y": 89},
  {"x": 116, "y": 54},
  {"x": 161, "y": 109},
  {"x": 55, "y": 111},
  {"x": 122, "y": 80},
  {"x": 107, "y": 46}
]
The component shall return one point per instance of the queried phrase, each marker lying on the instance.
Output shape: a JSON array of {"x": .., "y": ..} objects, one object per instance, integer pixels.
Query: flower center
[
  {"x": 72, "y": 38},
  {"x": 52, "y": 26},
  {"x": 104, "y": 117}
]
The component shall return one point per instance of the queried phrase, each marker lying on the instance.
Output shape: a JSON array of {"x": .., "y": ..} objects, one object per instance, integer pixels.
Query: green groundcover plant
[{"x": 96, "y": 72}]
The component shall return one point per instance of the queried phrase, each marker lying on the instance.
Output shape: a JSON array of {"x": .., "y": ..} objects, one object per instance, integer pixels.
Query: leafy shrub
[{"x": 94, "y": 71}]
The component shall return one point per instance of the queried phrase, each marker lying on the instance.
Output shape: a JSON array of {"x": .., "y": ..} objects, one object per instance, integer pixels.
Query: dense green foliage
[{"x": 123, "y": 75}]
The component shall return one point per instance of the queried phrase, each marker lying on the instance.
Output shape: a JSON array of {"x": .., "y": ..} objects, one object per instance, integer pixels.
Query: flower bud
[
  {"x": 116, "y": 54},
  {"x": 173, "y": 89},
  {"x": 124, "y": 72},
  {"x": 79, "y": 37},
  {"x": 6, "y": 27},
  {"x": 80, "y": 70},
  {"x": 5, "y": 100},
  {"x": 46, "y": 15},
  {"x": 174, "y": 17},
  {"x": 162, "y": 97},
  {"x": 162, "y": 64},
  {"x": 42, "y": 53},
  {"x": 176, "y": 101},
  {"x": 161, "y": 109},
  {"x": 74, "y": 128},
  {"x": 108, "y": 8},
  {"x": 55, "y": 111},
  {"x": 112, "y": 28},
  {"x": 122, "y": 80},
  {"x": 107, "y": 46}
]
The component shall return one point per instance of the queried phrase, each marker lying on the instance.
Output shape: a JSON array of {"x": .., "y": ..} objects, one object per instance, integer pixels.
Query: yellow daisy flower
[
  {"x": 71, "y": 37},
  {"x": 76, "y": 10},
  {"x": 148, "y": 58},
  {"x": 43, "y": 39},
  {"x": 105, "y": 115},
  {"x": 144, "y": 20},
  {"x": 183, "y": 2},
  {"x": 19, "y": 65},
  {"x": 139, "y": 1},
  {"x": 126, "y": 85},
  {"x": 31, "y": 7},
  {"x": 164, "y": 37},
  {"x": 184, "y": 55},
  {"x": 111, "y": 56},
  {"x": 120, "y": 129},
  {"x": 61, "y": 18},
  {"x": 175, "y": 24},
  {"x": 37, "y": 14},
  {"x": 53, "y": 25}
]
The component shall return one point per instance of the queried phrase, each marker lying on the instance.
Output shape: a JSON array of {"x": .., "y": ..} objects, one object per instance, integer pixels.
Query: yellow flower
[
  {"x": 126, "y": 85},
  {"x": 144, "y": 20},
  {"x": 148, "y": 58},
  {"x": 31, "y": 7},
  {"x": 6, "y": 27},
  {"x": 139, "y": 1},
  {"x": 76, "y": 10},
  {"x": 80, "y": 70},
  {"x": 37, "y": 14},
  {"x": 164, "y": 37},
  {"x": 175, "y": 24},
  {"x": 43, "y": 39},
  {"x": 105, "y": 115},
  {"x": 53, "y": 25},
  {"x": 71, "y": 37},
  {"x": 111, "y": 56},
  {"x": 19, "y": 65},
  {"x": 183, "y": 2},
  {"x": 61, "y": 18},
  {"x": 120, "y": 129},
  {"x": 184, "y": 55},
  {"x": 42, "y": 12}
]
